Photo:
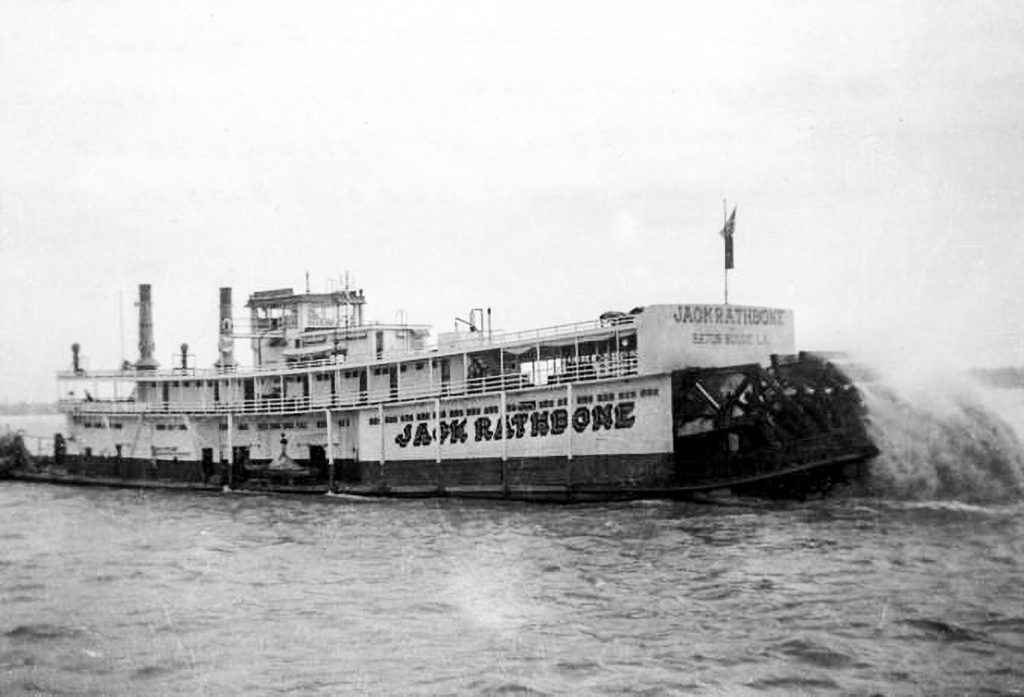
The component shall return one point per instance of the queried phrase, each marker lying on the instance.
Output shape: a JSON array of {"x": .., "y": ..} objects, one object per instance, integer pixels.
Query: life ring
[{"x": 225, "y": 325}]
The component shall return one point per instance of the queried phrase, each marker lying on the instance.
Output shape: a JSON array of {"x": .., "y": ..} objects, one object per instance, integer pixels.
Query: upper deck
[
  {"x": 468, "y": 342},
  {"x": 314, "y": 351},
  {"x": 469, "y": 363}
]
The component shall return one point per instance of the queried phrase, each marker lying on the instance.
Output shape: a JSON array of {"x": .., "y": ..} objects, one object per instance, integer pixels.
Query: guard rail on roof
[
  {"x": 477, "y": 341},
  {"x": 560, "y": 331}
]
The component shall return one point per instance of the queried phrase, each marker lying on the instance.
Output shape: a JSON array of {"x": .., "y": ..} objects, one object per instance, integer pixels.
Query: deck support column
[
  {"x": 568, "y": 450},
  {"x": 569, "y": 429},
  {"x": 536, "y": 362},
  {"x": 504, "y": 439},
  {"x": 501, "y": 425},
  {"x": 380, "y": 422},
  {"x": 231, "y": 452},
  {"x": 437, "y": 435},
  {"x": 330, "y": 451},
  {"x": 617, "y": 356},
  {"x": 109, "y": 430}
]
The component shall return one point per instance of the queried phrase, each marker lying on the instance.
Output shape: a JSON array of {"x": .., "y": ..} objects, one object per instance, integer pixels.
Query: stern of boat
[{"x": 795, "y": 426}]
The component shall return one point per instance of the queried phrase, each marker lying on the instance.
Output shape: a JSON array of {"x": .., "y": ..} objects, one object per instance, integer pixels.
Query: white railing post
[
  {"x": 504, "y": 434},
  {"x": 231, "y": 452},
  {"x": 437, "y": 430},
  {"x": 569, "y": 429},
  {"x": 380, "y": 418},
  {"x": 330, "y": 451}
]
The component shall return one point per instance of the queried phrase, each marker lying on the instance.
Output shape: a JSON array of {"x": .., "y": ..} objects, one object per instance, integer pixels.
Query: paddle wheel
[{"x": 798, "y": 423}]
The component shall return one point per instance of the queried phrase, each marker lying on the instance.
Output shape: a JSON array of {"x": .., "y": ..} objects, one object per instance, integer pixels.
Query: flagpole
[{"x": 725, "y": 221}]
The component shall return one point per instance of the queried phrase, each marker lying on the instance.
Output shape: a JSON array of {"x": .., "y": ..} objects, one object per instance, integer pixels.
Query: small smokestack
[
  {"x": 226, "y": 343},
  {"x": 184, "y": 358},
  {"x": 75, "y": 365},
  {"x": 146, "y": 345}
]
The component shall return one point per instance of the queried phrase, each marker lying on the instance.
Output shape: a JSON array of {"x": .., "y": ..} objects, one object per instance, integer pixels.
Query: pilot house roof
[{"x": 286, "y": 296}]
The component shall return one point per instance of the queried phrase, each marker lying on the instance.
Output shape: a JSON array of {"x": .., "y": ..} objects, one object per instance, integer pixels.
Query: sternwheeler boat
[{"x": 663, "y": 401}]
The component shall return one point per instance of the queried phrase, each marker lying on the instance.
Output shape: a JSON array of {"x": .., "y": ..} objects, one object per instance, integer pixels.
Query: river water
[{"x": 914, "y": 586}]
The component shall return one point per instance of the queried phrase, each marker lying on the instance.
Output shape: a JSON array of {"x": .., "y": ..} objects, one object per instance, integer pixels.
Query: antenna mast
[
  {"x": 728, "y": 228},
  {"x": 120, "y": 320}
]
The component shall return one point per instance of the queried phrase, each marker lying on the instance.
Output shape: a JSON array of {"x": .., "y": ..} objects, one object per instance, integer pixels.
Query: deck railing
[
  {"x": 584, "y": 372},
  {"x": 476, "y": 341},
  {"x": 558, "y": 331}
]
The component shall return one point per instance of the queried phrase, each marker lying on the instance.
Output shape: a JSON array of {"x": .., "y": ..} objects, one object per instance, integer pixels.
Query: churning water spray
[{"x": 944, "y": 435}]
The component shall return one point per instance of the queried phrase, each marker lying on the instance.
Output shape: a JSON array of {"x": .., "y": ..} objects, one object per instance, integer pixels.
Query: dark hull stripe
[{"x": 584, "y": 478}]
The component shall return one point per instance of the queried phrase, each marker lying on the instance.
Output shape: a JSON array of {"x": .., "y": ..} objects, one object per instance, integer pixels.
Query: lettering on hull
[{"x": 538, "y": 424}]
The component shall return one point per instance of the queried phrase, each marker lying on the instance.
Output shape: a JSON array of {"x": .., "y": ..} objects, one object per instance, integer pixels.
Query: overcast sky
[{"x": 551, "y": 160}]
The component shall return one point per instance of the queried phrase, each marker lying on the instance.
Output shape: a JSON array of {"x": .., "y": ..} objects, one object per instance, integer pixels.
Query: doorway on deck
[
  {"x": 318, "y": 460},
  {"x": 207, "y": 464}
]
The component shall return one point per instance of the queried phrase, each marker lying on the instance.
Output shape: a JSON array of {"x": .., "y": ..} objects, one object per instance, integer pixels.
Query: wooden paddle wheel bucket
[{"x": 799, "y": 420}]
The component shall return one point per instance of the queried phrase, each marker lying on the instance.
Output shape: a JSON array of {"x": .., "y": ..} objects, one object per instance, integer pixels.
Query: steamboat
[{"x": 663, "y": 401}]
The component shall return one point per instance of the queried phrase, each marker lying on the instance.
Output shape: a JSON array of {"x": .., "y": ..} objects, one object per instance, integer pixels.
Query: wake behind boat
[{"x": 661, "y": 401}]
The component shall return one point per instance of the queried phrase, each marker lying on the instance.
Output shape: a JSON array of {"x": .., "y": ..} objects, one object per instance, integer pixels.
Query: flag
[{"x": 730, "y": 227}]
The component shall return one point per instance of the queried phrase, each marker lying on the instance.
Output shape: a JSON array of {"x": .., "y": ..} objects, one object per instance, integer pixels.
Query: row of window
[
  {"x": 514, "y": 407},
  {"x": 100, "y": 424},
  {"x": 319, "y": 377},
  {"x": 285, "y": 425},
  {"x": 344, "y": 423},
  {"x": 420, "y": 416},
  {"x": 610, "y": 396}
]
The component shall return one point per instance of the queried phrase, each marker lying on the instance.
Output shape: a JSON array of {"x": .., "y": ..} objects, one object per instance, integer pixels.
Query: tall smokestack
[
  {"x": 226, "y": 343},
  {"x": 146, "y": 345}
]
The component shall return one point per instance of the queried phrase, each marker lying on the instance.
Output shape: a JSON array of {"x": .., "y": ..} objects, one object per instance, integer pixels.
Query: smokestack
[
  {"x": 226, "y": 343},
  {"x": 75, "y": 348},
  {"x": 146, "y": 345}
]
